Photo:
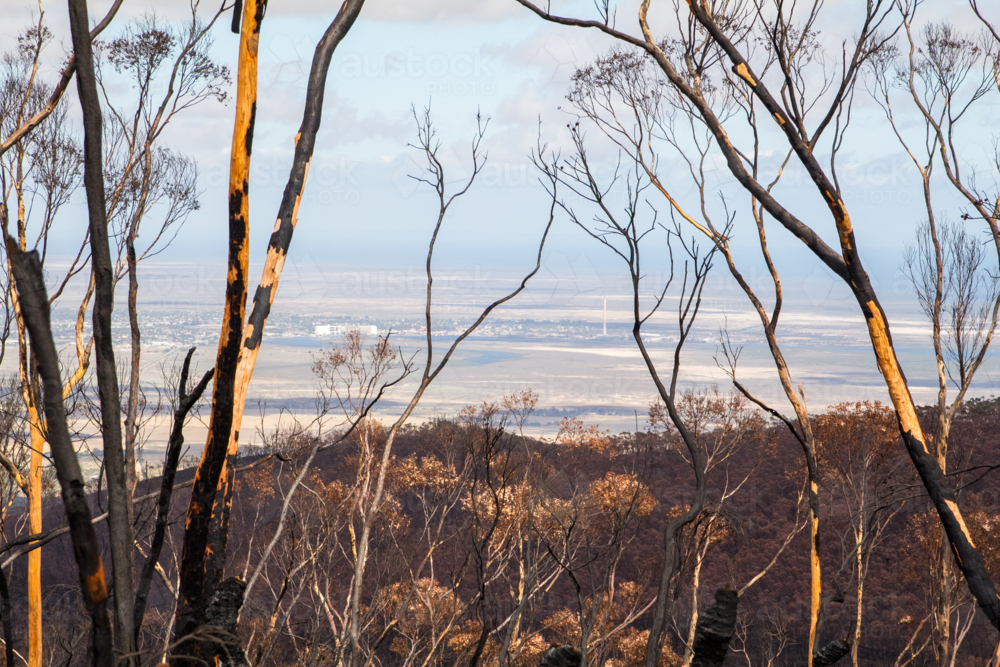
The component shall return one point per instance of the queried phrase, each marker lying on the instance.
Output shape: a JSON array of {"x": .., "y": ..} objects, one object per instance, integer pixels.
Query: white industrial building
[{"x": 340, "y": 329}]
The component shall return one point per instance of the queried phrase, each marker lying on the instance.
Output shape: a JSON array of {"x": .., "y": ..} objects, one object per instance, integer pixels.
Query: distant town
[{"x": 185, "y": 326}]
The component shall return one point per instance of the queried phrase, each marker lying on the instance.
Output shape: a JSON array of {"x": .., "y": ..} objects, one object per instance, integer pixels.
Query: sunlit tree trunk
[
  {"x": 35, "y": 643},
  {"x": 695, "y": 588},
  {"x": 274, "y": 263},
  {"x": 201, "y": 561},
  {"x": 859, "y": 538}
]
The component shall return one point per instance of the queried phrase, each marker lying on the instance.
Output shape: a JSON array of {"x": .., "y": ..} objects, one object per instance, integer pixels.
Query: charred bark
[
  {"x": 119, "y": 507},
  {"x": 35, "y": 309},
  {"x": 185, "y": 402},
  {"x": 8, "y": 630},
  {"x": 715, "y": 630},
  {"x": 277, "y": 250},
  {"x": 561, "y": 656},
  {"x": 831, "y": 653},
  {"x": 197, "y": 571},
  {"x": 222, "y": 615},
  {"x": 132, "y": 403}
]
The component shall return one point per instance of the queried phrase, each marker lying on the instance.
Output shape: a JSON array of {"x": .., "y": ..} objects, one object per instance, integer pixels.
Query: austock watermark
[
  {"x": 471, "y": 282},
  {"x": 454, "y": 289},
  {"x": 457, "y": 73},
  {"x": 331, "y": 180}
]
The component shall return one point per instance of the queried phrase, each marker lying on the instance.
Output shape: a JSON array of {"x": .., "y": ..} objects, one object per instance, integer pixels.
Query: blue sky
[{"x": 461, "y": 57}]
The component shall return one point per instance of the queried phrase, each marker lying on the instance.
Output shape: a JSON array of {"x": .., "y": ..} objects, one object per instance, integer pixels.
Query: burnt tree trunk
[
  {"x": 201, "y": 560},
  {"x": 715, "y": 629},
  {"x": 185, "y": 402},
  {"x": 119, "y": 507},
  {"x": 831, "y": 653},
  {"x": 87, "y": 552},
  {"x": 277, "y": 249}
]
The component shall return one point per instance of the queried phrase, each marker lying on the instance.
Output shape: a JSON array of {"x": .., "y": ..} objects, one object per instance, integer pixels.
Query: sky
[{"x": 491, "y": 57}]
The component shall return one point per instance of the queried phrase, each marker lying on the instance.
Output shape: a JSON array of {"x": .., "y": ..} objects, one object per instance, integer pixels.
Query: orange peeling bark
[{"x": 744, "y": 74}]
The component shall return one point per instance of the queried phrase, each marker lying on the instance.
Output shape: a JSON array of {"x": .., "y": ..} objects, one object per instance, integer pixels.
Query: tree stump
[
  {"x": 715, "y": 628},
  {"x": 561, "y": 656}
]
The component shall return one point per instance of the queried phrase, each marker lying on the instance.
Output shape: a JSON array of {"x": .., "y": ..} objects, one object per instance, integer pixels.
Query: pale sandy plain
[{"x": 560, "y": 350}]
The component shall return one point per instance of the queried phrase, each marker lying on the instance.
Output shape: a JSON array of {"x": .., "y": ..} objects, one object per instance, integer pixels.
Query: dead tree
[
  {"x": 435, "y": 178},
  {"x": 726, "y": 29},
  {"x": 715, "y": 630},
  {"x": 942, "y": 75},
  {"x": 206, "y": 532},
  {"x": 185, "y": 402},
  {"x": 42, "y": 167},
  {"x": 630, "y": 104},
  {"x": 561, "y": 656},
  {"x": 198, "y": 574},
  {"x": 274, "y": 262},
  {"x": 623, "y": 232},
  {"x": 119, "y": 504},
  {"x": 35, "y": 308}
]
